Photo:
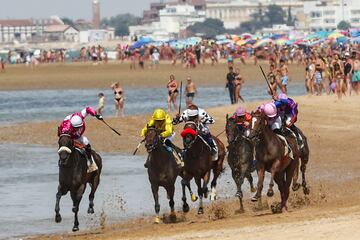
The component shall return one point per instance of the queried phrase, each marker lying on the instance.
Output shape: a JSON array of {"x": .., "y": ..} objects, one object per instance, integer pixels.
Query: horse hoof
[
  {"x": 157, "y": 220},
  {"x": 270, "y": 193},
  {"x": 254, "y": 199},
  {"x": 212, "y": 197},
  {"x": 253, "y": 189},
  {"x": 296, "y": 187},
  {"x": 276, "y": 208},
  {"x": 173, "y": 217},
  {"x": 186, "y": 208},
  {"x": 90, "y": 210},
  {"x": 75, "y": 228},
  {"x": 194, "y": 198},
  {"x": 201, "y": 211},
  {"x": 306, "y": 190},
  {"x": 239, "y": 211},
  {"x": 58, "y": 218}
]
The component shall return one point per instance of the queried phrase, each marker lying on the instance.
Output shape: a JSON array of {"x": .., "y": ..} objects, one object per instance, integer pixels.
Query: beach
[{"x": 331, "y": 211}]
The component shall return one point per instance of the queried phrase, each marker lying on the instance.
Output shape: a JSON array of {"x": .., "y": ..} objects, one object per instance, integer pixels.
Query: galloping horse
[
  {"x": 198, "y": 163},
  {"x": 240, "y": 157},
  {"x": 271, "y": 156},
  {"x": 162, "y": 170},
  {"x": 304, "y": 157},
  {"x": 73, "y": 176}
]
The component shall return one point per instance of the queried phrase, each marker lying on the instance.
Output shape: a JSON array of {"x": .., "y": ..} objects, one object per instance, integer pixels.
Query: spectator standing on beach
[
  {"x": 356, "y": 75},
  {"x": 238, "y": 84},
  {"x": 284, "y": 75},
  {"x": 190, "y": 91},
  {"x": 173, "y": 91},
  {"x": 230, "y": 84},
  {"x": 118, "y": 99},
  {"x": 2, "y": 63},
  {"x": 101, "y": 104}
]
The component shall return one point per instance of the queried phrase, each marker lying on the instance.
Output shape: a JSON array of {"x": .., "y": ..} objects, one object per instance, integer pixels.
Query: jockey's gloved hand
[{"x": 99, "y": 117}]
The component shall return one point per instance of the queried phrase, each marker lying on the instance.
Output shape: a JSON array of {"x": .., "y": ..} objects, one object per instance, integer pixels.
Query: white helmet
[
  {"x": 192, "y": 112},
  {"x": 76, "y": 121}
]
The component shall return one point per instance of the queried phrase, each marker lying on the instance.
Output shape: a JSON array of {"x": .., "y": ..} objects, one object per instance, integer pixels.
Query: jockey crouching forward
[
  {"x": 201, "y": 119},
  {"x": 274, "y": 119},
  {"x": 287, "y": 109},
  {"x": 74, "y": 125},
  {"x": 243, "y": 120},
  {"x": 162, "y": 122}
]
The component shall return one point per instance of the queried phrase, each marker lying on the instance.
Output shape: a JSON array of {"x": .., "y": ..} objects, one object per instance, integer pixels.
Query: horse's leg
[
  {"x": 239, "y": 180},
  {"x": 251, "y": 182},
  {"x": 304, "y": 161},
  {"x": 274, "y": 169},
  {"x": 200, "y": 193},
  {"x": 279, "y": 179},
  {"x": 59, "y": 194},
  {"x": 296, "y": 185},
  {"x": 94, "y": 185},
  {"x": 194, "y": 198},
  {"x": 216, "y": 171},
  {"x": 206, "y": 179},
  {"x": 155, "y": 189},
  {"x": 170, "y": 192},
  {"x": 185, "y": 204},
  {"x": 261, "y": 176},
  {"x": 76, "y": 198}
]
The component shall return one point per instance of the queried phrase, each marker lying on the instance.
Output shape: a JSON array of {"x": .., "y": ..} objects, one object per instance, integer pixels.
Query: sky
[{"x": 75, "y": 9}]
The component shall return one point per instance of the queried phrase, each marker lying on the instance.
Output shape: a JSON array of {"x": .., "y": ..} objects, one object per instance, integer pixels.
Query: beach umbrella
[
  {"x": 240, "y": 42},
  {"x": 246, "y": 35},
  {"x": 335, "y": 35},
  {"x": 355, "y": 40},
  {"x": 263, "y": 41},
  {"x": 281, "y": 41},
  {"x": 251, "y": 41},
  {"x": 342, "y": 40}
]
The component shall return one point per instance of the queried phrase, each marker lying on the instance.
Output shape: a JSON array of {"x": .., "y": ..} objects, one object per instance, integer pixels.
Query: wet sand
[{"x": 333, "y": 174}]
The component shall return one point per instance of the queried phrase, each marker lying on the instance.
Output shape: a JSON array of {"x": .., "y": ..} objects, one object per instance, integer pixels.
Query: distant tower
[{"x": 96, "y": 13}]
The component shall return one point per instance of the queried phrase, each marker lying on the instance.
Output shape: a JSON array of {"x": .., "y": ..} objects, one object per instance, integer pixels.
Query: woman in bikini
[
  {"x": 238, "y": 84},
  {"x": 118, "y": 98},
  {"x": 172, "y": 87},
  {"x": 338, "y": 74}
]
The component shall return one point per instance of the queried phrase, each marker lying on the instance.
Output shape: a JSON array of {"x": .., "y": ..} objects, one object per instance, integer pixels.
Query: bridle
[
  {"x": 153, "y": 146},
  {"x": 189, "y": 144},
  {"x": 65, "y": 149}
]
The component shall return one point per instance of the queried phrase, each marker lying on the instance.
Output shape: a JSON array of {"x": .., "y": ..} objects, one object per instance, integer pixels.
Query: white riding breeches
[
  {"x": 83, "y": 140},
  {"x": 288, "y": 118},
  {"x": 276, "y": 124}
]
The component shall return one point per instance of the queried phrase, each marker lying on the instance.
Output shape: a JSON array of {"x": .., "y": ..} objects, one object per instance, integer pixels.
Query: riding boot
[
  {"x": 213, "y": 148},
  {"x": 298, "y": 137},
  {"x": 90, "y": 162}
]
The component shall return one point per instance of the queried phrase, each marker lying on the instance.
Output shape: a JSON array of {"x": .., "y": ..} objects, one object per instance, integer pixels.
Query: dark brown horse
[
  {"x": 304, "y": 157},
  {"x": 162, "y": 170},
  {"x": 73, "y": 177},
  {"x": 198, "y": 163},
  {"x": 271, "y": 156},
  {"x": 240, "y": 157}
]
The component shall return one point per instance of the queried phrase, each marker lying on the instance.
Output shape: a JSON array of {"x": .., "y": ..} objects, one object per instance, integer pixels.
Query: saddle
[
  {"x": 80, "y": 148},
  {"x": 287, "y": 151}
]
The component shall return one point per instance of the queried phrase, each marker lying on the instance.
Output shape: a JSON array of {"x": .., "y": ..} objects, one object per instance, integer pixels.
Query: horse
[
  {"x": 162, "y": 170},
  {"x": 73, "y": 177},
  {"x": 240, "y": 157},
  {"x": 304, "y": 159},
  {"x": 198, "y": 163},
  {"x": 271, "y": 156}
]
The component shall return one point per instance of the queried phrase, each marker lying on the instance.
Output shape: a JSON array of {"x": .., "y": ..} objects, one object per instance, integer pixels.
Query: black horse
[
  {"x": 240, "y": 157},
  {"x": 73, "y": 176},
  {"x": 162, "y": 170}
]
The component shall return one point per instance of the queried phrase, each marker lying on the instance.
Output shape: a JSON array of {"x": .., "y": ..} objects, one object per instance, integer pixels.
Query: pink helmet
[
  {"x": 240, "y": 111},
  {"x": 283, "y": 96},
  {"x": 270, "y": 109}
]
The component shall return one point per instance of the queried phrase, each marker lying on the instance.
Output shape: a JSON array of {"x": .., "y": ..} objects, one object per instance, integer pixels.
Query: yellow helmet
[{"x": 159, "y": 115}]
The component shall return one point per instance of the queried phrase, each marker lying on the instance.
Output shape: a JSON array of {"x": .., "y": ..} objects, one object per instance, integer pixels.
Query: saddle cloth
[{"x": 288, "y": 151}]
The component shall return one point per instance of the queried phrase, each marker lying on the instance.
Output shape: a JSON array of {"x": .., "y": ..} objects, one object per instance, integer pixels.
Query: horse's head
[
  {"x": 66, "y": 147},
  {"x": 231, "y": 129},
  {"x": 258, "y": 123},
  {"x": 152, "y": 139},
  {"x": 189, "y": 134}
]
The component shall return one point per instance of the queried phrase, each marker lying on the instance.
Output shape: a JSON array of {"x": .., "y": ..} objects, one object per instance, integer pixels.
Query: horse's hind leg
[
  {"x": 200, "y": 193},
  {"x": 170, "y": 192},
  {"x": 155, "y": 189},
  {"x": 304, "y": 161},
  {"x": 57, "y": 204},
  {"x": 296, "y": 185},
  {"x": 94, "y": 185}
]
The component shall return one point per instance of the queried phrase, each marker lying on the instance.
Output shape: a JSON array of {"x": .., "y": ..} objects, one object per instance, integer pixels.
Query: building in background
[
  {"x": 326, "y": 15},
  {"x": 60, "y": 33},
  {"x": 96, "y": 13}
]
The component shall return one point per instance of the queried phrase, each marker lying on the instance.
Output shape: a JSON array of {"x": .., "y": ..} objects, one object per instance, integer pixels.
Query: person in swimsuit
[
  {"x": 348, "y": 68},
  {"x": 173, "y": 91},
  {"x": 101, "y": 104},
  {"x": 190, "y": 91},
  {"x": 238, "y": 84},
  {"x": 284, "y": 76},
  {"x": 338, "y": 74},
  {"x": 118, "y": 98},
  {"x": 356, "y": 75},
  {"x": 272, "y": 79}
]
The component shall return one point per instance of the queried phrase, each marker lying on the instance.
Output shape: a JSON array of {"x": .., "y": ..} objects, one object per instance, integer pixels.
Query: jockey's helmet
[
  {"x": 270, "y": 110},
  {"x": 76, "y": 121},
  {"x": 159, "y": 115},
  {"x": 240, "y": 111}
]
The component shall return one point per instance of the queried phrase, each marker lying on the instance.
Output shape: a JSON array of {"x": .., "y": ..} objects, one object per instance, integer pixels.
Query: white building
[
  {"x": 326, "y": 15},
  {"x": 54, "y": 33},
  {"x": 173, "y": 20},
  {"x": 235, "y": 12}
]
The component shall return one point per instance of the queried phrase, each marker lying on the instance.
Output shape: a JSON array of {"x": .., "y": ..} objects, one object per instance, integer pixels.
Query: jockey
[
  {"x": 162, "y": 121},
  {"x": 243, "y": 120},
  {"x": 274, "y": 119},
  {"x": 287, "y": 108},
  {"x": 202, "y": 119},
  {"x": 74, "y": 125}
]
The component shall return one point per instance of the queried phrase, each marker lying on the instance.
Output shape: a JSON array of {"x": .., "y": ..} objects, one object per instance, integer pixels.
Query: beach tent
[{"x": 142, "y": 42}]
